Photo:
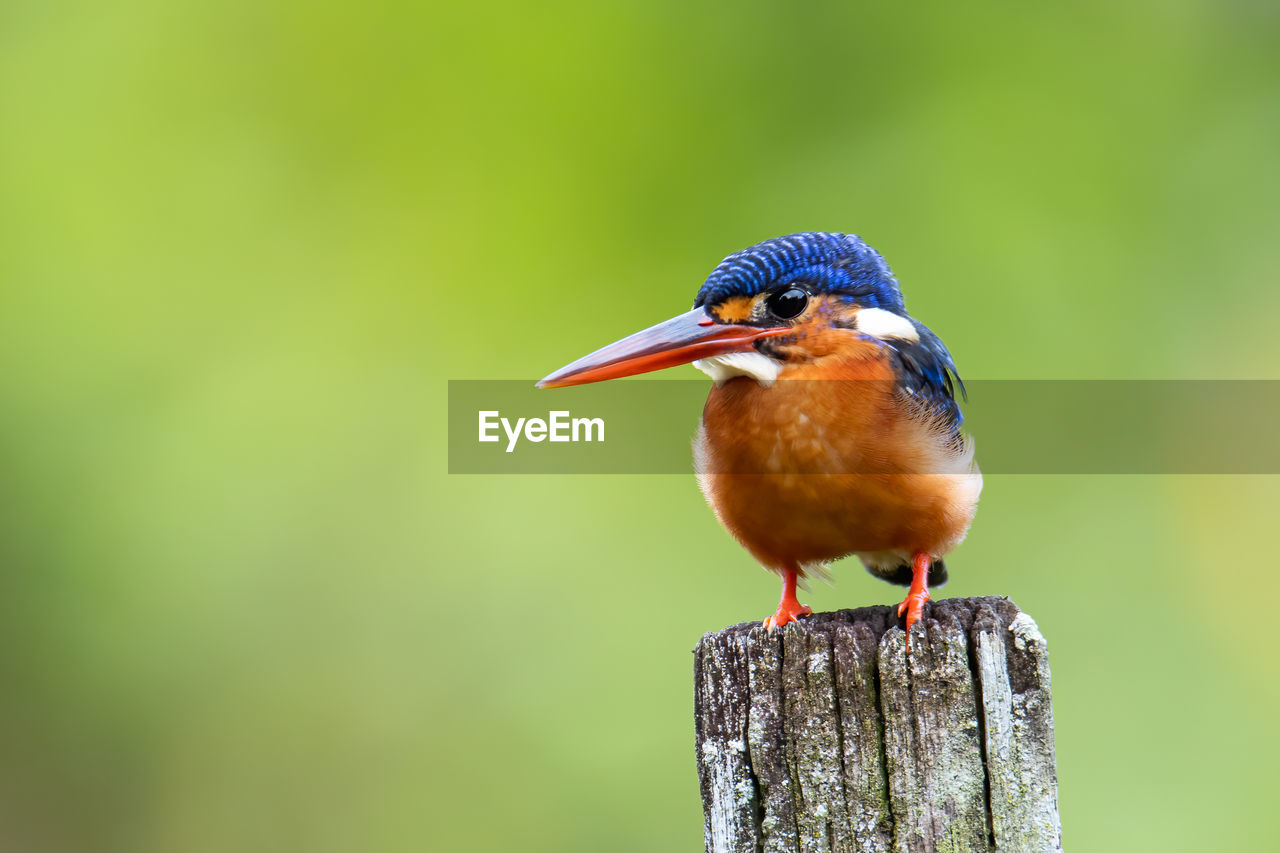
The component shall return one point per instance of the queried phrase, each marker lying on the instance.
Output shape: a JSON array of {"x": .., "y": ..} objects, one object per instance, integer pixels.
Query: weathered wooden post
[{"x": 827, "y": 737}]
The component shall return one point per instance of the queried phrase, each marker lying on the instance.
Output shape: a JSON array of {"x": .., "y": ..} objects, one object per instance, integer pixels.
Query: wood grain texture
[{"x": 828, "y": 737}]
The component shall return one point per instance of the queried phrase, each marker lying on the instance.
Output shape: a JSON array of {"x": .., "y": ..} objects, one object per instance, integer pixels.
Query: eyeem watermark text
[{"x": 559, "y": 426}]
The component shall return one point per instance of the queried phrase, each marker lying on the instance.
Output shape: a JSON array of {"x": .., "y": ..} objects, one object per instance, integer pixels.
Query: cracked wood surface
[{"x": 827, "y": 737}]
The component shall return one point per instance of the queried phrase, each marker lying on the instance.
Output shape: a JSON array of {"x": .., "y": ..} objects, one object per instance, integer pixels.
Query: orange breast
[{"x": 829, "y": 461}]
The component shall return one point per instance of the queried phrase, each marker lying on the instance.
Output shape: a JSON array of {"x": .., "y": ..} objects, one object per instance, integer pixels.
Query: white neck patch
[
  {"x": 879, "y": 323},
  {"x": 722, "y": 368}
]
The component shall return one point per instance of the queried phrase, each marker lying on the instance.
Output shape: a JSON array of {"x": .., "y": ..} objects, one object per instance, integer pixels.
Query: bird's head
[{"x": 780, "y": 303}]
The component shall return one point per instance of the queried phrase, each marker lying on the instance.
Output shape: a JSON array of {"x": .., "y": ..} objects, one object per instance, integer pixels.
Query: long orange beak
[{"x": 680, "y": 340}]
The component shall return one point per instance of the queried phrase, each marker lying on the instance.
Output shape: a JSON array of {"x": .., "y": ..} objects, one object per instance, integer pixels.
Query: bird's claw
[
  {"x": 786, "y": 615},
  {"x": 913, "y": 607}
]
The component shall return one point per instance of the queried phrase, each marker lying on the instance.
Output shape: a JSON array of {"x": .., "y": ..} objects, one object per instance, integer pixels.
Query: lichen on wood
[{"x": 828, "y": 737}]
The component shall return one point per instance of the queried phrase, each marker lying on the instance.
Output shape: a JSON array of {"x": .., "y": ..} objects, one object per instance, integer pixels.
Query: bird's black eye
[{"x": 787, "y": 304}]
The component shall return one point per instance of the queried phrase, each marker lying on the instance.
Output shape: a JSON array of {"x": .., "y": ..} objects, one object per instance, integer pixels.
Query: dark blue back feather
[{"x": 927, "y": 372}]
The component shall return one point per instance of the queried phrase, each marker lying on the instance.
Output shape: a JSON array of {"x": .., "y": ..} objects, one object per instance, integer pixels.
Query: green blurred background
[{"x": 244, "y": 245}]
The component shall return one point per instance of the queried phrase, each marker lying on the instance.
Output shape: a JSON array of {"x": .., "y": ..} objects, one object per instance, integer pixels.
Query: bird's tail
[{"x": 901, "y": 573}]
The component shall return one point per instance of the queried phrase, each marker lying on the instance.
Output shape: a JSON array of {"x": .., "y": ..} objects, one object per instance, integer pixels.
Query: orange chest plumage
[{"x": 831, "y": 460}]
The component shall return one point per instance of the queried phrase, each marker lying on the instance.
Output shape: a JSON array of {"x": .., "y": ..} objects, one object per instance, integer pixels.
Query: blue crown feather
[{"x": 827, "y": 262}]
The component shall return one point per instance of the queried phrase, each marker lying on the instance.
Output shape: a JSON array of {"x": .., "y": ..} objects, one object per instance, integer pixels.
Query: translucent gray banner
[{"x": 1018, "y": 426}]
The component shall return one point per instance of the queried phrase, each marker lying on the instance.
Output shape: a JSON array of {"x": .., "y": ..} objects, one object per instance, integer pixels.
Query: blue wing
[{"x": 927, "y": 373}]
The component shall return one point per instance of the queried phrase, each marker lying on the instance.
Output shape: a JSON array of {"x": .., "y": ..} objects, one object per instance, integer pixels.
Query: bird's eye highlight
[{"x": 787, "y": 304}]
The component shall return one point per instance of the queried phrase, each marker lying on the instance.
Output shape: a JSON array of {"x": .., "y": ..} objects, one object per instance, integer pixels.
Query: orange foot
[
  {"x": 789, "y": 609},
  {"x": 913, "y": 604}
]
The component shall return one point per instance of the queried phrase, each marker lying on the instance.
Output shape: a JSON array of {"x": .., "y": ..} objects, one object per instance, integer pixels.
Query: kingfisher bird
[{"x": 832, "y": 427}]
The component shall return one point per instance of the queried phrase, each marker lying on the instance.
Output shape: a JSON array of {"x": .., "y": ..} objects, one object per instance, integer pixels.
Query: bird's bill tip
[{"x": 680, "y": 340}]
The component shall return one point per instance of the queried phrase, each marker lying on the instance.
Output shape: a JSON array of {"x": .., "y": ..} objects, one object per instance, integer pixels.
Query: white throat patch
[
  {"x": 879, "y": 323},
  {"x": 722, "y": 368}
]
